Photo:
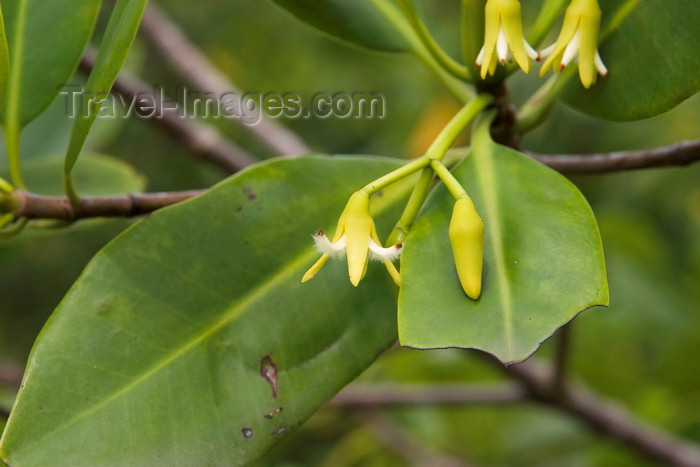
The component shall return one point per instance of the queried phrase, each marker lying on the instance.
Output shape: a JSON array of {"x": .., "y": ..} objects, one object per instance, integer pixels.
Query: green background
[{"x": 641, "y": 351}]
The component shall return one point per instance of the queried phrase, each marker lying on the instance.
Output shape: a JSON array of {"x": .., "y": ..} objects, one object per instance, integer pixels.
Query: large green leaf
[
  {"x": 543, "y": 260},
  {"x": 45, "y": 42},
  {"x": 367, "y": 23},
  {"x": 652, "y": 57},
  {"x": 190, "y": 340}
]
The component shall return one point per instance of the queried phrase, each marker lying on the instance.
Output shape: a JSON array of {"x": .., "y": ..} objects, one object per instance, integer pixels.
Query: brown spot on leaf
[
  {"x": 273, "y": 413},
  {"x": 280, "y": 430},
  {"x": 247, "y": 433},
  {"x": 268, "y": 370}
]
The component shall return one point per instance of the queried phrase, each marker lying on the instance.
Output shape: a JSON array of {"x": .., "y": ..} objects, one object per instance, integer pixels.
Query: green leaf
[
  {"x": 368, "y": 23},
  {"x": 98, "y": 175},
  {"x": 652, "y": 57},
  {"x": 543, "y": 259},
  {"x": 45, "y": 41},
  {"x": 163, "y": 351},
  {"x": 120, "y": 34}
]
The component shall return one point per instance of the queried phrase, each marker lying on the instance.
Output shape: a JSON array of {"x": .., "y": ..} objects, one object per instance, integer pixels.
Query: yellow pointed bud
[
  {"x": 503, "y": 30},
  {"x": 358, "y": 228},
  {"x": 467, "y": 238},
  {"x": 578, "y": 37}
]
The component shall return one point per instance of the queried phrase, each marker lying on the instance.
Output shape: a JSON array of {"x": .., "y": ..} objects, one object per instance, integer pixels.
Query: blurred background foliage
[{"x": 641, "y": 351}]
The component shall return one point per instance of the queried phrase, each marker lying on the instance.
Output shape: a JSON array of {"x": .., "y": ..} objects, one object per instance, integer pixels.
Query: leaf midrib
[{"x": 488, "y": 186}]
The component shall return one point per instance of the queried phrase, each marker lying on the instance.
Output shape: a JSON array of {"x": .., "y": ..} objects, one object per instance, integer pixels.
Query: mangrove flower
[
  {"x": 467, "y": 237},
  {"x": 504, "y": 30},
  {"x": 355, "y": 238},
  {"x": 578, "y": 36}
]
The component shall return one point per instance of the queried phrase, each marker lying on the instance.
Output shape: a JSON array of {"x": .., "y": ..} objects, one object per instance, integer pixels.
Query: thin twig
[
  {"x": 10, "y": 374},
  {"x": 50, "y": 207},
  {"x": 403, "y": 444},
  {"x": 384, "y": 395},
  {"x": 202, "y": 141},
  {"x": 33, "y": 206},
  {"x": 561, "y": 359},
  {"x": 193, "y": 65},
  {"x": 684, "y": 153},
  {"x": 606, "y": 417}
]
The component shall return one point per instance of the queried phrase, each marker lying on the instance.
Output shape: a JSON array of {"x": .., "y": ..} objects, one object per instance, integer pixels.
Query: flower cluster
[
  {"x": 356, "y": 239},
  {"x": 578, "y": 39}
]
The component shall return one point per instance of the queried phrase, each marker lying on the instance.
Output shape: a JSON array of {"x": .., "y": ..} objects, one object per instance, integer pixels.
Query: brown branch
[
  {"x": 33, "y": 206},
  {"x": 606, "y": 417},
  {"x": 10, "y": 374},
  {"x": 398, "y": 440},
  {"x": 191, "y": 63},
  {"x": 384, "y": 395},
  {"x": 203, "y": 141},
  {"x": 684, "y": 153},
  {"x": 561, "y": 359}
]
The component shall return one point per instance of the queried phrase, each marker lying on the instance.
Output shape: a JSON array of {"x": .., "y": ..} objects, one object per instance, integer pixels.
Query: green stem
[
  {"x": 13, "y": 126},
  {"x": 6, "y": 219},
  {"x": 392, "y": 14},
  {"x": 415, "y": 202},
  {"x": 449, "y": 134},
  {"x": 14, "y": 229},
  {"x": 8, "y": 203},
  {"x": 436, "y": 152},
  {"x": 538, "y": 107},
  {"x": 472, "y": 32},
  {"x": 396, "y": 175},
  {"x": 449, "y": 180},
  {"x": 12, "y": 141},
  {"x": 419, "y": 27},
  {"x": 70, "y": 189},
  {"x": 5, "y": 186}
]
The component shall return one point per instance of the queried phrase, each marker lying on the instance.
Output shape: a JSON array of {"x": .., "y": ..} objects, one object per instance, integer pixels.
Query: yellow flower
[
  {"x": 467, "y": 238},
  {"x": 355, "y": 237},
  {"x": 578, "y": 36},
  {"x": 504, "y": 29}
]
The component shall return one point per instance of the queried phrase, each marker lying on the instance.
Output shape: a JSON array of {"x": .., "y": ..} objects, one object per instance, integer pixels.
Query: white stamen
[
  {"x": 600, "y": 66},
  {"x": 480, "y": 57},
  {"x": 548, "y": 50},
  {"x": 502, "y": 46},
  {"x": 571, "y": 50},
  {"x": 378, "y": 253},
  {"x": 532, "y": 53},
  {"x": 325, "y": 246}
]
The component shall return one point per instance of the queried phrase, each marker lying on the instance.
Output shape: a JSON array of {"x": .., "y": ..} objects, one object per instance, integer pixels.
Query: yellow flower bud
[{"x": 467, "y": 238}]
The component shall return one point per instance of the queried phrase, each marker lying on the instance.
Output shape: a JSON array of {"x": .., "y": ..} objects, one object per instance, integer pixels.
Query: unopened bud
[{"x": 467, "y": 238}]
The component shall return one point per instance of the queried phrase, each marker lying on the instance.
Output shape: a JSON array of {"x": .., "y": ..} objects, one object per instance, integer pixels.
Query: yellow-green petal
[
  {"x": 358, "y": 228},
  {"x": 513, "y": 27},
  {"x": 590, "y": 23},
  {"x": 491, "y": 25},
  {"x": 568, "y": 29},
  {"x": 315, "y": 268}
]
